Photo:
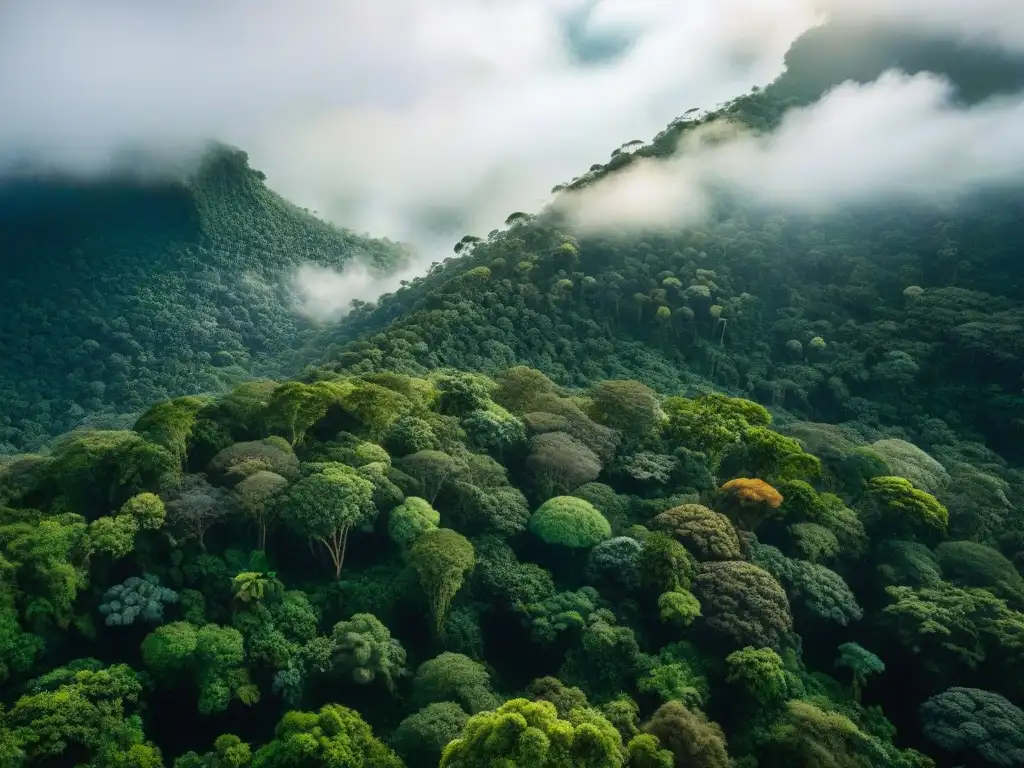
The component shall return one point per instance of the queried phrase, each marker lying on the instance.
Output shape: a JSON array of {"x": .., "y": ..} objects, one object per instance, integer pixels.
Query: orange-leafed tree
[{"x": 748, "y": 501}]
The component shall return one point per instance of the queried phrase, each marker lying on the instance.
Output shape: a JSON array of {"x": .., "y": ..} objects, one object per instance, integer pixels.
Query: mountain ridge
[{"x": 154, "y": 288}]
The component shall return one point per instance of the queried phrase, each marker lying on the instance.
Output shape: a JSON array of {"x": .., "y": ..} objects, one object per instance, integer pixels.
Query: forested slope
[
  {"x": 411, "y": 571},
  {"x": 114, "y": 293},
  {"x": 896, "y": 317}
]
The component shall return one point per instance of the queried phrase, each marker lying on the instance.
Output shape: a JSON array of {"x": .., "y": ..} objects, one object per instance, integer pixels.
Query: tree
[
  {"x": 560, "y": 612},
  {"x": 569, "y": 522},
  {"x": 386, "y": 493},
  {"x": 169, "y": 424},
  {"x": 845, "y": 524},
  {"x": 495, "y": 430},
  {"x": 294, "y": 407},
  {"x": 560, "y": 462},
  {"x": 606, "y": 658},
  {"x": 254, "y": 586},
  {"x": 211, "y": 655},
  {"x": 373, "y": 407},
  {"x": 742, "y": 604},
  {"x": 644, "y": 751},
  {"x": 431, "y": 469},
  {"x": 409, "y": 435},
  {"x": 326, "y": 505},
  {"x": 968, "y": 720},
  {"x": 709, "y": 535},
  {"x": 900, "y": 510},
  {"x": 762, "y": 452},
  {"x": 694, "y": 741},
  {"x": 236, "y": 462},
  {"x": 565, "y": 698},
  {"x": 499, "y": 509},
  {"x": 82, "y": 709},
  {"x": 18, "y": 649},
  {"x": 822, "y": 592},
  {"x": 664, "y": 564},
  {"x": 410, "y": 520},
  {"x": 628, "y": 406},
  {"x": 196, "y": 506},
  {"x": 365, "y": 649},
  {"x": 711, "y": 423},
  {"x": 113, "y": 536},
  {"x": 229, "y": 751},
  {"x": 420, "y": 738},
  {"x": 948, "y": 625},
  {"x": 461, "y": 393},
  {"x": 760, "y": 672},
  {"x": 969, "y": 564},
  {"x": 454, "y": 677},
  {"x": 811, "y": 735},
  {"x": 677, "y": 674},
  {"x": 333, "y": 737},
  {"x": 441, "y": 559},
  {"x": 255, "y": 498},
  {"x": 523, "y": 732},
  {"x": 147, "y": 509},
  {"x": 49, "y": 558},
  {"x": 614, "y": 506},
  {"x": 616, "y": 561},
  {"x": 814, "y": 542},
  {"x": 136, "y": 598},
  {"x": 678, "y": 607},
  {"x": 861, "y": 662},
  {"x": 906, "y": 460},
  {"x": 99, "y": 470},
  {"x": 750, "y": 501},
  {"x": 518, "y": 386}
]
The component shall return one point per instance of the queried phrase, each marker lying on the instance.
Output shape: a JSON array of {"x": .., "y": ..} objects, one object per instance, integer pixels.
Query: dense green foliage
[
  {"x": 730, "y": 498},
  {"x": 360, "y": 614},
  {"x": 115, "y": 294},
  {"x": 903, "y": 322}
]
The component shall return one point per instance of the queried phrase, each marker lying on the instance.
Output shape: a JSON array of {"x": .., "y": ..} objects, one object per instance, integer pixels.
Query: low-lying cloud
[
  {"x": 899, "y": 139},
  {"x": 423, "y": 120},
  {"x": 325, "y": 295}
]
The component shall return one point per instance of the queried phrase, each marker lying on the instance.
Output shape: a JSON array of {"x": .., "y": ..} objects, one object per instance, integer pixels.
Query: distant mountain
[{"x": 116, "y": 293}]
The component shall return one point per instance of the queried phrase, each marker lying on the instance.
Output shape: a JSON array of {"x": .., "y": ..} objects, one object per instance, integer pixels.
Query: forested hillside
[
  {"x": 452, "y": 568},
  {"x": 114, "y": 293},
  {"x": 745, "y": 495},
  {"x": 900, "y": 318}
]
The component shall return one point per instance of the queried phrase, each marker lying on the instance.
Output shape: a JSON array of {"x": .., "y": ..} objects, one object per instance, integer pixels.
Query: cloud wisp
[
  {"x": 392, "y": 116},
  {"x": 423, "y": 120},
  {"x": 899, "y": 139}
]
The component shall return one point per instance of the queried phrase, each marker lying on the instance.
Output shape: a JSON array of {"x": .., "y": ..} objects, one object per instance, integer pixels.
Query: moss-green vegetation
[
  {"x": 259, "y": 579},
  {"x": 511, "y": 524},
  {"x": 114, "y": 295}
]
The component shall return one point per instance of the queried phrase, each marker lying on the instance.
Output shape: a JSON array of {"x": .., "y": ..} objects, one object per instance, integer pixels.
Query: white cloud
[
  {"x": 405, "y": 117},
  {"x": 899, "y": 139},
  {"x": 325, "y": 295},
  {"x": 378, "y": 113}
]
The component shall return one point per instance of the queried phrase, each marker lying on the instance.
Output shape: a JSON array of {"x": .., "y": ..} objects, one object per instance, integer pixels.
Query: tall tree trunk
[{"x": 336, "y": 544}]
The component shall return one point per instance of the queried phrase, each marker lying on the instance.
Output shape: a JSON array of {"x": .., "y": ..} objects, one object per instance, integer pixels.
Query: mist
[
  {"x": 423, "y": 121},
  {"x": 899, "y": 139}
]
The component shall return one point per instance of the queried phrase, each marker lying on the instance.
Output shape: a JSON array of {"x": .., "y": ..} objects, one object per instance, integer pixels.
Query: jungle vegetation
[{"x": 741, "y": 496}]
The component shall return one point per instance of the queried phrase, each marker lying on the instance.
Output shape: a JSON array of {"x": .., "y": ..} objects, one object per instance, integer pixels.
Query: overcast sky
[
  {"x": 385, "y": 114},
  {"x": 377, "y": 113}
]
